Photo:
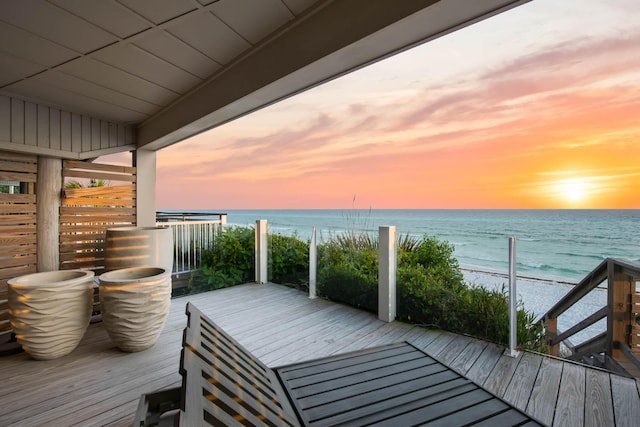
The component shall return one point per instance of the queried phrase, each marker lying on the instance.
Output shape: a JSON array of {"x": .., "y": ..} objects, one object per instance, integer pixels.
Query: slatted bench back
[
  {"x": 227, "y": 385},
  {"x": 223, "y": 384}
]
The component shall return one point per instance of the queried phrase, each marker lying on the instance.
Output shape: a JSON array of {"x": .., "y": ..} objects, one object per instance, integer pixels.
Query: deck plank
[
  {"x": 502, "y": 373},
  {"x": 447, "y": 354},
  {"x": 571, "y": 397},
  {"x": 97, "y": 384},
  {"x": 598, "y": 402},
  {"x": 519, "y": 390},
  {"x": 467, "y": 357},
  {"x": 485, "y": 363},
  {"x": 542, "y": 402},
  {"x": 626, "y": 401}
]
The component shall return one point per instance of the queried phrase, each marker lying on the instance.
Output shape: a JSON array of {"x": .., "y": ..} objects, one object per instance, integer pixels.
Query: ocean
[{"x": 552, "y": 245}]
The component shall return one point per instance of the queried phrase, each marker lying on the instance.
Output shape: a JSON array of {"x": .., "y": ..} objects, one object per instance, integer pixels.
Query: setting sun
[{"x": 574, "y": 190}]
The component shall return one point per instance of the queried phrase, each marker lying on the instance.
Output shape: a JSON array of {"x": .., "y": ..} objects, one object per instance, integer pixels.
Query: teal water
[{"x": 558, "y": 245}]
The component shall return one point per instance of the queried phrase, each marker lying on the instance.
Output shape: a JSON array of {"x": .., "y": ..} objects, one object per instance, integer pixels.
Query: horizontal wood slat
[
  {"x": 72, "y": 173},
  {"x": 75, "y": 164},
  {"x": 17, "y": 198},
  {"x": 81, "y": 219},
  {"x": 110, "y": 191},
  {"x": 82, "y": 256},
  {"x": 5, "y": 326},
  {"x": 17, "y": 230},
  {"x": 11, "y": 272},
  {"x": 27, "y": 218},
  {"x": 88, "y": 228},
  {"x": 12, "y": 250},
  {"x": 18, "y": 261},
  {"x": 30, "y": 167},
  {"x": 18, "y": 208},
  {"x": 74, "y": 210},
  {"x": 72, "y": 265},
  {"x": 17, "y": 240},
  {"x": 17, "y": 176},
  {"x": 103, "y": 202},
  {"x": 77, "y": 246},
  {"x": 69, "y": 239}
]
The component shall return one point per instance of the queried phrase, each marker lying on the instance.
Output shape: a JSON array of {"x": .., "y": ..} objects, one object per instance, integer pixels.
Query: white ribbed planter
[
  {"x": 50, "y": 311},
  {"x": 135, "y": 305},
  {"x": 127, "y": 247}
]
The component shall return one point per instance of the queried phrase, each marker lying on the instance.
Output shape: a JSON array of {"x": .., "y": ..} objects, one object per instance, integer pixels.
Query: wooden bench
[{"x": 397, "y": 384}]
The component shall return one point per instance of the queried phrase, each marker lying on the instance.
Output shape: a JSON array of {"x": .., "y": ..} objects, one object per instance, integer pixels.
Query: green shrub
[
  {"x": 229, "y": 262},
  {"x": 347, "y": 275},
  {"x": 430, "y": 288},
  {"x": 288, "y": 260}
]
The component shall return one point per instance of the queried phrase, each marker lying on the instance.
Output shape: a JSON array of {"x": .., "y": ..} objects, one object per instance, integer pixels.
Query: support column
[
  {"x": 48, "y": 190},
  {"x": 261, "y": 251},
  {"x": 387, "y": 260},
  {"x": 145, "y": 163}
]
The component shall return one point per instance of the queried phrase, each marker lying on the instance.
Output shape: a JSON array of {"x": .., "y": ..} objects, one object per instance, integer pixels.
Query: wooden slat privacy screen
[
  {"x": 86, "y": 213},
  {"x": 17, "y": 226}
]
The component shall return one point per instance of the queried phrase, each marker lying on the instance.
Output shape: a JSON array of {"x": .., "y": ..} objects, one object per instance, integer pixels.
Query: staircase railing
[{"x": 618, "y": 347}]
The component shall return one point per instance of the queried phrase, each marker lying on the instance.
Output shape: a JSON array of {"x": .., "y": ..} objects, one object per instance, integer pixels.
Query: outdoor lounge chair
[{"x": 396, "y": 384}]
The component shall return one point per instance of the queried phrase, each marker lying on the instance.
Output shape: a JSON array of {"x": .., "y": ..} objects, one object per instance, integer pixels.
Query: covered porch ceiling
[{"x": 165, "y": 70}]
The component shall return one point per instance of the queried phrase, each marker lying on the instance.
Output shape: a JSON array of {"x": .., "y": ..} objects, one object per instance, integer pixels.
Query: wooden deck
[{"x": 99, "y": 385}]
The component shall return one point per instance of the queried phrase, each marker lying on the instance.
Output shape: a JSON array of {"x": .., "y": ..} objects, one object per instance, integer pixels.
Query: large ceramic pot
[
  {"x": 135, "y": 304},
  {"x": 127, "y": 247},
  {"x": 50, "y": 311}
]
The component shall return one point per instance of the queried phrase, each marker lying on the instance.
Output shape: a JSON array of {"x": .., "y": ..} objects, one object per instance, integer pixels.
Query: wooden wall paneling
[
  {"x": 95, "y": 134},
  {"x": 30, "y": 123},
  {"x": 54, "y": 128},
  {"x": 18, "y": 232},
  {"x": 43, "y": 139},
  {"x": 5, "y": 118},
  {"x": 76, "y": 132},
  {"x": 17, "y": 121},
  {"x": 86, "y": 213},
  {"x": 86, "y": 133},
  {"x": 65, "y": 131}
]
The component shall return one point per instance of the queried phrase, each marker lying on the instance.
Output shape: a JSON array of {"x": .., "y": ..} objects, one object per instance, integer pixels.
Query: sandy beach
[{"x": 540, "y": 295}]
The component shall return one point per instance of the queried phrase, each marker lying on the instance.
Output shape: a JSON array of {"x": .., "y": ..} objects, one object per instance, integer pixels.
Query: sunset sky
[{"x": 538, "y": 107}]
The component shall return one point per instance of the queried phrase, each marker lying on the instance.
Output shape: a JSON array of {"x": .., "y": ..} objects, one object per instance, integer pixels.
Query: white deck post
[
  {"x": 261, "y": 251},
  {"x": 387, "y": 260},
  {"x": 313, "y": 264},
  {"x": 513, "y": 300}
]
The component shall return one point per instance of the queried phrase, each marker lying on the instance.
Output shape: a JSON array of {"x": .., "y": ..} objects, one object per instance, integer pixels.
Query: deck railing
[
  {"x": 193, "y": 233},
  {"x": 618, "y": 347}
]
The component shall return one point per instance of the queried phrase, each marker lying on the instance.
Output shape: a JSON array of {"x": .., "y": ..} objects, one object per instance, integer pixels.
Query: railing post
[
  {"x": 261, "y": 251},
  {"x": 619, "y": 316},
  {"x": 387, "y": 261},
  {"x": 313, "y": 264},
  {"x": 513, "y": 300},
  {"x": 551, "y": 331}
]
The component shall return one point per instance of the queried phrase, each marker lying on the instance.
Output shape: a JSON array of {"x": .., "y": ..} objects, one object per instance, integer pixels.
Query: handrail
[
  {"x": 621, "y": 340},
  {"x": 586, "y": 285},
  {"x": 192, "y": 234}
]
